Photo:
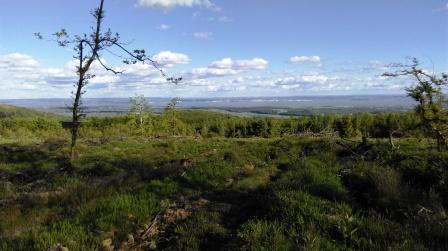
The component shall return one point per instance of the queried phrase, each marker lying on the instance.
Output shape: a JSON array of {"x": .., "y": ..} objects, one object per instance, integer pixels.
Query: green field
[{"x": 211, "y": 181}]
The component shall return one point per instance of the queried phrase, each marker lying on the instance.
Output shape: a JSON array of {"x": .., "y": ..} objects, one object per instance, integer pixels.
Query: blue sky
[{"x": 227, "y": 47}]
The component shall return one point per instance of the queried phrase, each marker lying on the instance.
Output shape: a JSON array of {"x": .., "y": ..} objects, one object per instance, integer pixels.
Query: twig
[{"x": 153, "y": 223}]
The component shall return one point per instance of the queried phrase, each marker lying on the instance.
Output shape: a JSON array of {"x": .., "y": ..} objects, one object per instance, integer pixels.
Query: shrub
[{"x": 374, "y": 187}]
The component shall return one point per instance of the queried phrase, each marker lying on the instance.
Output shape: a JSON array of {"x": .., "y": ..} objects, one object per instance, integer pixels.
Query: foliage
[
  {"x": 428, "y": 93},
  {"x": 140, "y": 111}
]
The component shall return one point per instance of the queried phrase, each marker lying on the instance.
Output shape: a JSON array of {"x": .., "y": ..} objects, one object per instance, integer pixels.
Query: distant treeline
[
  {"x": 209, "y": 124},
  {"x": 312, "y": 111}
]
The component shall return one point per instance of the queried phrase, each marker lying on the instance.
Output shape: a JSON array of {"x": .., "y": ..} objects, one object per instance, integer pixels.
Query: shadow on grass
[{"x": 28, "y": 164}]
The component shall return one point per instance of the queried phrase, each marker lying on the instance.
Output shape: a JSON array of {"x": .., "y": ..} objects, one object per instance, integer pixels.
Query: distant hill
[{"x": 14, "y": 111}]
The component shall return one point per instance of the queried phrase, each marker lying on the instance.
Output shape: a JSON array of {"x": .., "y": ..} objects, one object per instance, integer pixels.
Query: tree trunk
[
  {"x": 440, "y": 142},
  {"x": 391, "y": 140},
  {"x": 75, "y": 108},
  {"x": 74, "y": 132},
  {"x": 364, "y": 141},
  {"x": 83, "y": 68}
]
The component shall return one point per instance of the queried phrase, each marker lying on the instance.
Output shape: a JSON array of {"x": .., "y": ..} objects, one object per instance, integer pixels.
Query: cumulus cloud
[
  {"x": 21, "y": 73},
  {"x": 18, "y": 62},
  {"x": 303, "y": 82},
  {"x": 169, "y": 4},
  {"x": 252, "y": 81},
  {"x": 207, "y": 72},
  {"x": 169, "y": 59},
  {"x": 22, "y": 76},
  {"x": 203, "y": 34},
  {"x": 251, "y": 64},
  {"x": 246, "y": 64},
  {"x": 227, "y": 67},
  {"x": 304, "y": 59},
  {"x": 137, "y": 75}
]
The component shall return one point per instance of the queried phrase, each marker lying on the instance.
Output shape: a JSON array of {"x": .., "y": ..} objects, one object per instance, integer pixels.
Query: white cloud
[
  {"x": 169, "y": 4},
  {"x": 164, "y": 27},
  {"x": 247, "y": 64},
  {"x": 206, "y": 72},
  {"x": 203, "y": 34},
  {"x": 18, "y": 61},
  {"x": 311, "y": 82},
  {"x": 169, "y": 59},
  {"x": 22, "y": 76},
  {"x": 19, "y": 72},
  {"x": 302, "y": 79},
  {"x": 251, "y": 64},
  {"x": 252, "y": 81},
  {"x": 138, "y": 75},
  {"x": 303, "y": 59},
  {"x": 225, "y": 63},
  {"x": 226, "y": 67}
]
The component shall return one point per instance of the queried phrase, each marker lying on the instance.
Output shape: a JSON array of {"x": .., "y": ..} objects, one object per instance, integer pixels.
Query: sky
[{"x": 225, "y": 48}]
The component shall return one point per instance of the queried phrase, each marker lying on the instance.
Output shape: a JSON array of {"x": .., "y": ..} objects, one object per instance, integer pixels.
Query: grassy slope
[
  {"x": 20, "y": 112},
  {"x": 217, "y": 194},
  {"x": 10, "y": 111},
  {"x": 259, "y": 194}
]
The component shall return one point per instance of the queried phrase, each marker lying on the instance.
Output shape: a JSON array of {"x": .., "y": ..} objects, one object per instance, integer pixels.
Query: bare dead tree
[
  {"x": 428, "y": 93},
  {"x": 88, "y": 48}
]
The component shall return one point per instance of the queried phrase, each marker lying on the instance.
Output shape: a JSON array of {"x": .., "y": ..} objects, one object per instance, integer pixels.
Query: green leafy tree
[
  {"x": 345, "y": 127},
  {"x": 140, "y": 110},
  {"x": 171, "y": 114},
  {"x": 429, "y": 96}
]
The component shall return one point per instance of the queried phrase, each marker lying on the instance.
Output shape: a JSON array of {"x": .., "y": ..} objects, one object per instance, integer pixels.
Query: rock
[
  {"x": 153, "y": 245},
  {"x": 140, "y": 231},
  {"x": 110, "y": 233},
  {"x": 186, "y": 162},
  {"x": 229, "y": 182},
  {"x": 106, "y": 245},
  {"x": 130, "y": 239},
  {"x": 123, "y": 246},
  {"x": 249, "y": 167},
  {"x": 58, "y": 247}
]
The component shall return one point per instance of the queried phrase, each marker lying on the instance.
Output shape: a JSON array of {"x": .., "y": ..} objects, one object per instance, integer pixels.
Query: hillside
[
  {"x": 218, "y": 182},
  {"x": 14, "y": 111}
]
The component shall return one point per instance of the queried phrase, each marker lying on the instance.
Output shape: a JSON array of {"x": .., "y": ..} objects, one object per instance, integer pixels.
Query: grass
[{"x": 289, "y": 193}]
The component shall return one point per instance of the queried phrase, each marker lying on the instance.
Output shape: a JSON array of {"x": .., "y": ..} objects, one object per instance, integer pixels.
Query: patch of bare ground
[{"x": 148, "y": 237}]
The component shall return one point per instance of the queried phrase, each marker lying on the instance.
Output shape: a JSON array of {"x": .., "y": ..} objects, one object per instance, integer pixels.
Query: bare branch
[
  {"x": 107, "y": 68},
  {"x": 101, "y": 62},
  {"x": 140, "y": 56},
  {"x": 88, "y": 48}
]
